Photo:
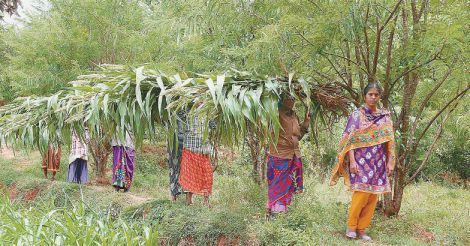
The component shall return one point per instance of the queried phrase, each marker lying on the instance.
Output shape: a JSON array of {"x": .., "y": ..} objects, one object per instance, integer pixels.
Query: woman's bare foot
[
  {"x": 206, "y": 202},
  {"x": 189, "y": 198}
]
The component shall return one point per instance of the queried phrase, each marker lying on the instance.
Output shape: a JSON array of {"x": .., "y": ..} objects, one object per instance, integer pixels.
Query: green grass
[{"x": 85, "y": 214}]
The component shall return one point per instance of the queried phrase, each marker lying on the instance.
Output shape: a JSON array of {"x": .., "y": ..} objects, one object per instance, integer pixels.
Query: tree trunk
[
  {"x": 100, "y": 151},
  {"x": 392, "y": 203},
  {"x": 256, "y": 150},
  {"x": 411, "y": 81}
]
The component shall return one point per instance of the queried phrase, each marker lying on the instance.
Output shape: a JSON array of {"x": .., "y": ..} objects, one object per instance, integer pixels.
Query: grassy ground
[{"x": 37, "y": 211}]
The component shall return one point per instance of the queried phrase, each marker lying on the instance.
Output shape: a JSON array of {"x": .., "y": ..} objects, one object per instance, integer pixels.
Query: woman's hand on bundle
[{"x": 306, "y": 122}]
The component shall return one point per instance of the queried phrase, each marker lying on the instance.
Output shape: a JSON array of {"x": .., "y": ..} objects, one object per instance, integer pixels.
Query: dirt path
[
  {"x": 136, "y": 199},
  {"x": 7, "y": 153},
  {"x": 24, "y": 161},
  {"x": 130, "y": 197}
]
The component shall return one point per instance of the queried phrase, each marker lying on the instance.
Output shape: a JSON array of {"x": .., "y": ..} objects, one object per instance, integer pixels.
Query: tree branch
[
  {"x": 351, "y": 92},
  {"x": 357, "y": 54},
  {"x": 414, "y": 11},
  {"x": 316, "y": 5},
  {"x": 461, "y": 94},
  {"x": 336, "y": 70},
  {"x": 378, "y": 38},
  {"x": 388, "y": 68},
  {"x": 349, "y": 74},
  {"x": 322, "y": 75},
  {"x": 431, "y": 147},
  {"x": 345, "y": 58},
  {"x": 348, "y": 67},
  {"x": 430, "y": 94},
  {"x": 391, "y": 15},
  {"x": 366, "y": 37},
  {"x": 423, "y": 7},
  {"x": 376, "y": 51},
  {"x": 433, "y": 58}
]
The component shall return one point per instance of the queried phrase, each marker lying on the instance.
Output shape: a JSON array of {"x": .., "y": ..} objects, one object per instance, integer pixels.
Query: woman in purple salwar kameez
[
  {"x": 123, "y": 163},
  {"x": 365, "y": 160}
]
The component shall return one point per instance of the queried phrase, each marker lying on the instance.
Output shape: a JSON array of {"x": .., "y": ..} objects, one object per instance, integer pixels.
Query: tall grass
[{"x": 78, "y": 225}]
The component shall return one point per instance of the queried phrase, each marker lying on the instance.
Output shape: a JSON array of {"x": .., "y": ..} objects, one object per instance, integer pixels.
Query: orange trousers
[{"x": 362, "y": 210}]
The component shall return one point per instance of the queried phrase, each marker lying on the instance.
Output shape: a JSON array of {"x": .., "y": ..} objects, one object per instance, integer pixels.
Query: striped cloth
[{"x": 193, "y": 139}]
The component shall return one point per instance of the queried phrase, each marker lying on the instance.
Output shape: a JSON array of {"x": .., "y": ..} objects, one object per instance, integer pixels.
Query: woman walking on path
[
  {"x": 78, "y": 170},
  {"x": 284, "y": 160},
  {"x": 196, "y": 175},
  {"x": 123, "y": 163},
  {"x": 175, "y": 151},
  {"x": 51, "y": 160},
  {"x": 366, "y": 158}
]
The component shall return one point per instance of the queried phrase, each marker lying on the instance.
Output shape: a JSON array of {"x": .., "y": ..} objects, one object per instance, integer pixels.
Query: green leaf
[
  {"x": 220, "y": 86},
  {"x": 291, "y": 76},
  {"x": 210, "y": 84},
  {"x": 105, "y": 104},
  {"x": 139, "y": 77},
  {"x": 162, "y": 91}
]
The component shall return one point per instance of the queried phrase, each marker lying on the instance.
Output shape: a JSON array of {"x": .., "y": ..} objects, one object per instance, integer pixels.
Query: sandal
[
  {"x": 351, "y": 234},
  {"x": 363, "y": 236}
]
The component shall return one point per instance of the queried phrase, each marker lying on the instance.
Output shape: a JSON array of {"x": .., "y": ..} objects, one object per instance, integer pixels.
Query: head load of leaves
[{"x": 119, "y": 99}]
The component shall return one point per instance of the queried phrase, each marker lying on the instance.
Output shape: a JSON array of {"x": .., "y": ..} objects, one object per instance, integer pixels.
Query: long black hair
[
  {"x": 283, "y": 96},
  {"x": 372, "y": 86}
]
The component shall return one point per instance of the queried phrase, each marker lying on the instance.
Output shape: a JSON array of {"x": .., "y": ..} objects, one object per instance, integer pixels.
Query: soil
[
  {"x": 7, "y": 153},
  {"x": 420, "y": 233}
]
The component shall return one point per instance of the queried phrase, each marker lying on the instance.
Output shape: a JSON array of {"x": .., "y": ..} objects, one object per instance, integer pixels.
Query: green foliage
[
  {"x": 120, "y": 99},
  {"x": 74, "y": 36},
  {"x": 61, "y": 226},
  {"x": 452, "y": 154}
]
